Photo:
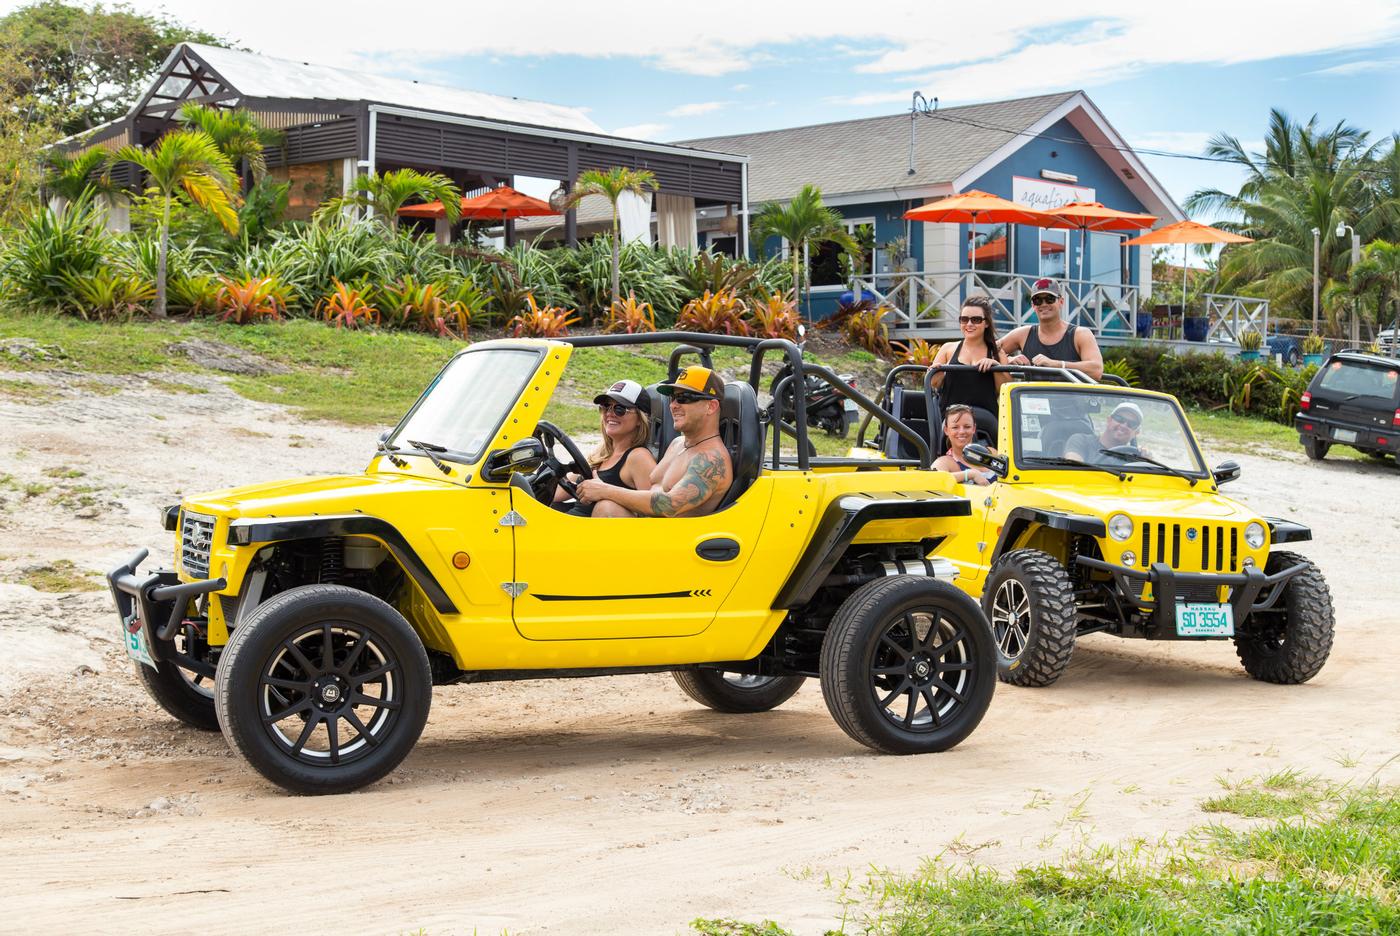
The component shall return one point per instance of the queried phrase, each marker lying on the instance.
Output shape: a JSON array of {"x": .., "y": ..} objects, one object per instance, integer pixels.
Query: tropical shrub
[
  {"x": 644, "y": 272},
  {"x": 917, "y": 351},
  {"x": 1314, "y": 344},
  {"x": 110, "y": 294},
  {"x": 867, "y": 330},
  {"x": 425, "y": 307},
  {"x": 702, "y": 271},
  {"x": 630, "y": 316},
  {"x": 542, "y": 321},
  {"x": 720, "y": 313},
  {"x": 46, "y": 249},
  {"x": 250, "y": 300},
  {"x": 1251, "y": 341},
  {"x": 775, "y": 316},
  {"x": 1217, "y": 381},
  {"x": 1121, "y": 367},
  {"x": 346, "y": 307},
  {"x": 196, "y": 293}
]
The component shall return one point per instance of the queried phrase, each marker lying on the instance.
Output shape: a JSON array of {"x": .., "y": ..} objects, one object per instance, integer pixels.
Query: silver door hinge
[
  {"x": 515, "y": 589},
  {"x": 512, "y": 519},
  {"x": 981, "y": 546},
  {"x": 987, "y": 502}
]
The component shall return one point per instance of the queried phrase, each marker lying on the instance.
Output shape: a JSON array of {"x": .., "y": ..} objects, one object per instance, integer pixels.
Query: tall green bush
[
  {"x": 1218, "y": 381},
  {"x": 47, "y": 250}
]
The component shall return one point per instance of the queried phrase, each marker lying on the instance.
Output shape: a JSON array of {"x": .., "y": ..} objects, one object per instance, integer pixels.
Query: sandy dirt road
[{"x": 589, "y": 806}]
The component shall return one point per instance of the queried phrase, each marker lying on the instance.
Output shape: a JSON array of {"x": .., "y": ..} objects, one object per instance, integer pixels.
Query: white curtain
[
  {"x": 675, "y": 222},
  {"x": 634, "y": 217}
]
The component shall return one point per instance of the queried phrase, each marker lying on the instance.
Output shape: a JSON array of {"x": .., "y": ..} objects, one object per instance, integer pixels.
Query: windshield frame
[
  {"x": 1128, "y": 467},
  {"x": 458, "y": 456}
]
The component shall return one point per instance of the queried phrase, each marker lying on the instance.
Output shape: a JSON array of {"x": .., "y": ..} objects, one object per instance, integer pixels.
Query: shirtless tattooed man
[{"x": 694, "y": 473}]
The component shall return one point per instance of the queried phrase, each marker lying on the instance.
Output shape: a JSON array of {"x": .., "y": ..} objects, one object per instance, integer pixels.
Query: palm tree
[
  {"x": 187, "y": 161},
  {"x": 69, "y": 176},
  {"x": 802, "y": 222},
  {"x": 385, "y": 194},
  {"x": 1380, "y": 269},
  {"x": 611, "y": 183},
  {"x": 237, "y": 133}
]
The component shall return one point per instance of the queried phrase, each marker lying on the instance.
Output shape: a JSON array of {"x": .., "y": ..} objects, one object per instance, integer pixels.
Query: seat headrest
[{"x": 742, "y": 435}]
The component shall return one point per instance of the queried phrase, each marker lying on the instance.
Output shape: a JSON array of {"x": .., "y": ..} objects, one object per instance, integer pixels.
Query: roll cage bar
[{"x": 790, "y": 378}]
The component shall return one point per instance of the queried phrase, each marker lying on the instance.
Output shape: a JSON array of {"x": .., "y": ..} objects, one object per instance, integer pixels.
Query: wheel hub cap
[{"x": 921, "y": 669}]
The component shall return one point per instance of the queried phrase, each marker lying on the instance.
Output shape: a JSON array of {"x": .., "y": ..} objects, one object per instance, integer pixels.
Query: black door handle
[{"x": 718, "y": 550}]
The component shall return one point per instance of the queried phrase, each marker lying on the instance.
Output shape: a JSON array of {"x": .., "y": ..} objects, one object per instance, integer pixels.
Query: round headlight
[
  {"x": 1254, "y": 535},
  {"x": 1120, "y": 526},
  {"x": 1129, "y": 558}
]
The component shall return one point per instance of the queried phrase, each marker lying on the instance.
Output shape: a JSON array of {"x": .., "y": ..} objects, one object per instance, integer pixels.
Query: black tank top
[
  {"x": 1062, "y": 350},
  {"x": 613, "y": 475},
  {"x": 970, "y": 389}
]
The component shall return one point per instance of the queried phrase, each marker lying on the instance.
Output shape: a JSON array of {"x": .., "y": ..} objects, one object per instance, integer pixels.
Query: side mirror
[
  {"x": 1226, "y": 471},
  {"x": 978, "y": 454},
  {"x": 384, "y": 436},
  {"x": 527, "y": 455}
]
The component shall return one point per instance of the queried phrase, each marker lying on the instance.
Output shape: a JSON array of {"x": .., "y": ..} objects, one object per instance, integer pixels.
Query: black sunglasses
[
  {"x": 971, "y": 319},
  {"x": 687, "y": 398},
  {"x": 1130, "y": 423},
  {"x": 618, "y": 409},
  {"x": 1043, "y": 300}
]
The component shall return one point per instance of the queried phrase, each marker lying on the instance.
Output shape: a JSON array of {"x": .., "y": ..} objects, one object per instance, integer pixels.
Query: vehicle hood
[
  {"x": 1138, "y": 500},
  {"x": 328, "y": 494}
]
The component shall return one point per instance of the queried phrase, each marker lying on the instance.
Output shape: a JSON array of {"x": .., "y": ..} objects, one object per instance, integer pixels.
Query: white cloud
[
  {"x": 739, "y": 87},
  {"x": 1363, "y": 67},
  {"x": 641, "y": 131},
  {"x": 958, "y": 51},
  {"x": 695, "y": 110}
]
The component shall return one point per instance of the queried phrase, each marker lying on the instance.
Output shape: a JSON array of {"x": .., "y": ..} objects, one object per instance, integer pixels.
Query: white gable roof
[{"x": 264, "y": 76}]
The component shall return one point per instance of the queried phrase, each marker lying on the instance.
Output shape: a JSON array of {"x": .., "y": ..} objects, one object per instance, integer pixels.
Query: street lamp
[
  {"x": 1317, "y": 250},
  {"x": 1342, "y": 229}
]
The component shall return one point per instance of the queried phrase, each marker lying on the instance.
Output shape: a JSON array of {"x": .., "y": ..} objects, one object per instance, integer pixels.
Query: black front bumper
[
  {"x": 1245, "y": 587},
  {"x": 159, "y": 599}
]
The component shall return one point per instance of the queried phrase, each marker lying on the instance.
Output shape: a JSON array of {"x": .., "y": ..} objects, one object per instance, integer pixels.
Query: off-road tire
[
  {"x": 857, "y": 642},
  {"x": 174, "y": 693},
  {"x": 712, "y": 689},
  {"x": 1047, "y": 616},
  {"x": 1289, "y": 644},
  {"x": 1315, "y": 448},
  {"x": 261, "y": 641}
]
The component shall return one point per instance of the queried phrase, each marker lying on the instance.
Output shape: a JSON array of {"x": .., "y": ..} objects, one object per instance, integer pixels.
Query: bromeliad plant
[
  {"x": 630, "y": 316},
  {"x": 346, "y": 307},
  {"x": 542, "y": 321},
  {"x": 426, "y": 307},
  {"x": 919, "y": 352},
  {"x": 775, "y": 316},
  {"x": 244, "y": 302},
  {"x": 714, "y": 313},
  {"x": 111, "y": 294},
  {"x": 867, "y": 329}
]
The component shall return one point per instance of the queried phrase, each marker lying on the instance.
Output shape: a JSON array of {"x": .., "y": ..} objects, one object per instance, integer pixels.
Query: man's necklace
[{"x": 687, "y": 446}]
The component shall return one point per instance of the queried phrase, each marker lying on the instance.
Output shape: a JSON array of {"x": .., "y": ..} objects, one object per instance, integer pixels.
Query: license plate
[
  {"x": 134, "y": 636},
  {"x": 1344, "y": 435},
  {"x": 851, "y": 406},
  {"x": 1204, "y": 619}
]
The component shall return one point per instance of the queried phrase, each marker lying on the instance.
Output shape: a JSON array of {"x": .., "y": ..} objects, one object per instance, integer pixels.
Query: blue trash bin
[
  {"x": 1144, "y": 324},
  {"x": 1196, "y": 327}
]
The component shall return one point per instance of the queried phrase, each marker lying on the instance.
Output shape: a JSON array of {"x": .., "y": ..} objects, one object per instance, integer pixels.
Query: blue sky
[{"x": 1166, "y": 75}]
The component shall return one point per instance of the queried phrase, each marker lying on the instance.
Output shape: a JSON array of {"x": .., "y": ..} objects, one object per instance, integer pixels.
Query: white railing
[{"x": 930, "y": 301}]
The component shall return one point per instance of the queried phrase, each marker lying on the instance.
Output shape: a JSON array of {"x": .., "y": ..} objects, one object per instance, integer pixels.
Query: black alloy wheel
[
  {"x": 908, "y": 665},
  {"x": 324, "y": 689},
  {"x": 737, "y": 693}
]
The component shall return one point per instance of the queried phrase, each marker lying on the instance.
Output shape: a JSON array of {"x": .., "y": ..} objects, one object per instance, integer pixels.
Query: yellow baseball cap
[{"x": 695, "y": 379}]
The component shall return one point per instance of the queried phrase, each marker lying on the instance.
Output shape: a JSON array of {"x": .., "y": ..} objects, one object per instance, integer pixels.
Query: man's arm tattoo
[{"x": 702, "y": 478}]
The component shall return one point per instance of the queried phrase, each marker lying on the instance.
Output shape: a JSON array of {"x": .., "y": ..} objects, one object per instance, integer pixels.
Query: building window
[
  {"x": 826, "y": 259},
  {"x": 990, "y": 248},
  {"x": 1054, "y": 252},
  {"x": 1104, "y": 264}
]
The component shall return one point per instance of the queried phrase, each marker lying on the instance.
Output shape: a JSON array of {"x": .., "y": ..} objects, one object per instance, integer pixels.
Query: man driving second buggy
[{"x": 1120, "y": 432}]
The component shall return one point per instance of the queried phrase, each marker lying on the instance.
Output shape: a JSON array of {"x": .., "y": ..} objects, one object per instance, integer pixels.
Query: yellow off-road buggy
[
  {"x": 309, "y": 619},
  {"x": 1104, "y": 518}
]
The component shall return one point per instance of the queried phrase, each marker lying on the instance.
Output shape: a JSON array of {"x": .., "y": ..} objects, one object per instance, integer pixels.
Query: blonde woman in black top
[{"x": 622, "y": 458}]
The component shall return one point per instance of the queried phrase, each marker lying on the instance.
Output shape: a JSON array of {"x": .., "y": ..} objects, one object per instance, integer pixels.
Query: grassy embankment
[{"x": 1325, "y": 859}]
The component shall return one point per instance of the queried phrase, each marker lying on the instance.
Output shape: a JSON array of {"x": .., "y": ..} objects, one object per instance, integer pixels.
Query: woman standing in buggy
[{"x": 977, "y": 348}]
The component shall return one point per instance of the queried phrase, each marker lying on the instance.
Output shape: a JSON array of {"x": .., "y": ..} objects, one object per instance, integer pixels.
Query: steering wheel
[{"x": 553, "y": 472}]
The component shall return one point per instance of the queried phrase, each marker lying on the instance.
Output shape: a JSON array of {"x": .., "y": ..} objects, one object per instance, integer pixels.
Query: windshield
[
  {"x": 1355, "y": 379},
  {"x": 1097, "y": 426},
  {"x": 462, "y": 408}
]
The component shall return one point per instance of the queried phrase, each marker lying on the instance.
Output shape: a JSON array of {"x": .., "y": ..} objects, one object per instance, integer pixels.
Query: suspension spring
[{"x": 332, "y": 560}]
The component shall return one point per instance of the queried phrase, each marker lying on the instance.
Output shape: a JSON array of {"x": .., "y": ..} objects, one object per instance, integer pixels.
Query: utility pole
[
  {"x": 1317, "y": 250},
  {"x": 1342, "y": 229}
]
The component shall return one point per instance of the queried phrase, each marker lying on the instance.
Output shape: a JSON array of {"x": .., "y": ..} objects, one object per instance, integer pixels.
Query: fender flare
[
  {"x": 245, "y": 532},
  {"x": 845, "y": 517},
  {"x": 1021, "y": 517},
  {"x": 1286, "y": 531}
]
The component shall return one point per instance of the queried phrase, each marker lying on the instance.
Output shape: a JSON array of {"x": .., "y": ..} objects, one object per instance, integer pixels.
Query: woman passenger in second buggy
[
  {"x": 622, "y": 458},
  {"x": 960, "y": 430},
  {"x": 978, "y": 348}
]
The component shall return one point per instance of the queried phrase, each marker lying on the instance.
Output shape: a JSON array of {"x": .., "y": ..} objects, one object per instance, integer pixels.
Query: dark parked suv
[{"x": 1353, "y": 400}]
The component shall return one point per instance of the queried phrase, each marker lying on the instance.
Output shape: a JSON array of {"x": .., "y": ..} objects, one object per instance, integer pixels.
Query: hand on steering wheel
[{"x": 554, "y": 471}]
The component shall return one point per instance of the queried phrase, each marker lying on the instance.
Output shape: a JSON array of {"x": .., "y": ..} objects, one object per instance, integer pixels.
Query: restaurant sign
[{"x": 1047, "y": 196}]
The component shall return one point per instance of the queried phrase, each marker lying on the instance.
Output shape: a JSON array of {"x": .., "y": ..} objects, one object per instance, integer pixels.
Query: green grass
[
  {"x": 1332, "y": 865},
  {"x": 61, "y": 575},
  {"x": 1278, "y": 796}
]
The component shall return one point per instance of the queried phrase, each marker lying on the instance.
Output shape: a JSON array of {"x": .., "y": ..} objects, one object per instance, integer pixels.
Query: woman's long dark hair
[{"x": 986, "y": 304}]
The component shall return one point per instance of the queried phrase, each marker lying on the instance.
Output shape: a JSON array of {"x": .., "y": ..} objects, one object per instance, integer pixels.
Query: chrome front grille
[
  {"x": 1205, "y": 547},
  {"x": 196, "y": 538}
]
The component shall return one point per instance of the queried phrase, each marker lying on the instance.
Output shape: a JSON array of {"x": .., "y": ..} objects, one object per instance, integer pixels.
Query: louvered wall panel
[{"x": 336, "y": 139}]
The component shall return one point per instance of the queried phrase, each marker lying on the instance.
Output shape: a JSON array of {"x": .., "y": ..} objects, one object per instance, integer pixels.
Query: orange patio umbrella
[
  {"x": 974, "y": 207},
  {"x": 1187, "y": 232},
  {"x": 1093, "y": 216},
  {"x": 499, "y": 204}
]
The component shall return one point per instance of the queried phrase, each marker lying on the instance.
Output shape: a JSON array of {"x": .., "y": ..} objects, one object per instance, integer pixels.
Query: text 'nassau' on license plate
[{"x": 1204, "y": 619}]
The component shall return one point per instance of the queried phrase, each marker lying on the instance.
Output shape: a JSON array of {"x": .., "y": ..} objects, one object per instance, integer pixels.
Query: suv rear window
[{"x": 1358, "y": 379}]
